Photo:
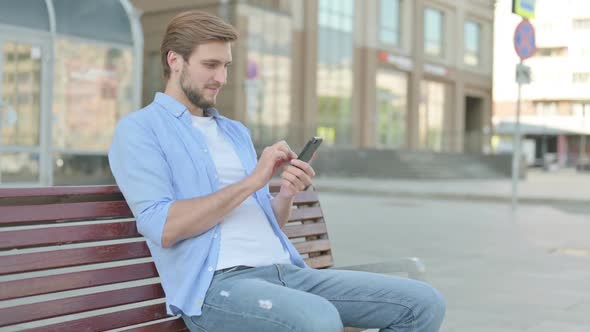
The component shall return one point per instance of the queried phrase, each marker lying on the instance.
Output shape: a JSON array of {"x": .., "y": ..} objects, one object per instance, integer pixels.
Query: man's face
[{"x": 205, "y": 72}]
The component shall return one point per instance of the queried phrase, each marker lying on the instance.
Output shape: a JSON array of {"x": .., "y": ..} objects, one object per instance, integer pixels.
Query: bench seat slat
[
  {"x": 19, "y": 263},
  {"x": 59, "y": 191},
  {"x": 306, "y": 213},
  {"x": 108, "y": 321},
  {"x": 75, "y": 280},
  {"x": 320, "y": 262},
  {"x": 304, "y": 198},
  {"x": 312, "y": 246},
  {"x": 72, "y": 305},
  {"x": 30, "y": 214},
  {"x": 310, "y": 229},
  {"x": 67, "y": 234},
  {"x": 176, "y": 325}
]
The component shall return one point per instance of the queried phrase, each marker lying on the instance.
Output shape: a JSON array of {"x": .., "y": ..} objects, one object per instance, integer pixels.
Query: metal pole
[
  {"x": 516, "y": 152},
  {"x": 583, "y": 141},
  {"x": 544, "y": 141}
]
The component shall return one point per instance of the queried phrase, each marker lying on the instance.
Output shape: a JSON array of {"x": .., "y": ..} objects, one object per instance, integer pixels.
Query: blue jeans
[{"x": 288, "y": 298}]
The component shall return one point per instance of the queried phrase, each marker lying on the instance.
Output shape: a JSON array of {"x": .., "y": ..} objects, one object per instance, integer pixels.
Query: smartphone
[{"x": 310, "y": 147}]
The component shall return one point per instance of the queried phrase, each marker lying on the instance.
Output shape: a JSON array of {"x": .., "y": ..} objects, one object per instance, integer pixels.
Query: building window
[
  {"x": 581, "y": 110},
  {"x": 431, "y": 115},
  {"x": 390, "y": 126},
  {"x": 472, "y": 40},
  {"x": 91, "y": 93},
  {"x": 551, "y": 51},
  {"x": 546, "y": 108},
  {"x": 389, "y": 22},
  {"x": 433, "y": 32},
  {"x": 334, "y": 86},
  {"x": 20, "y": 93},
  {"x": 581, "y": 77},
  {"x": 581, "y": 24},
  {"x": 268, "y": 75}
]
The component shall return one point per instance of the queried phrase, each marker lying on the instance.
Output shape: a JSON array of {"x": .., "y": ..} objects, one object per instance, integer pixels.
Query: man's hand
[
  {"x": 296, "y": 177},
  {"x": 270, "y": 160}
]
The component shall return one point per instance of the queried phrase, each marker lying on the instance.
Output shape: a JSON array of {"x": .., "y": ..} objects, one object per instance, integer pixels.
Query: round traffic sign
[{"x": 524, "y": 40}]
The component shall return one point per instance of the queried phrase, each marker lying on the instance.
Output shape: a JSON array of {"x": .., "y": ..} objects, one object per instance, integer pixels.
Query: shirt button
[
  {"x": 210, "y": 268},
  {"x": 215, "y": 235},
  {"x": 205, "y": 150}
]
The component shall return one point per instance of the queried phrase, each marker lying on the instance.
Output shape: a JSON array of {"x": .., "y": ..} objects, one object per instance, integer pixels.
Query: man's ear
[{"x": 174, "y": 61}]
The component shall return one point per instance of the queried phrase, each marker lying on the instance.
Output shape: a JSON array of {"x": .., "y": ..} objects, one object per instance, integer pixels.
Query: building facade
[
  {"x": 376, "y": 74},
  {"x": 556, "y": 105},
  {"x": 379, "y": 75}
]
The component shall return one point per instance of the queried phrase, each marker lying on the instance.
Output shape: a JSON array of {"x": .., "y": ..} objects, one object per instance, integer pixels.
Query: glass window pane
[
  {"x": 74, "y": 169},
  {"x": 472, "y": 42},
  {"x": 92, "y": 91},
  {"x": 389, "y": 14},
  {"x": 20, "y": 98},
  {"x": 388, "y": 37},
  {"x": 25, "y": 13},
  {"x": 19, "y": 167},
  {"x": 347, "y": 7},
  {"x": 334, "y": 86},
  {"x": 104, "y": 20},
  {"x": 391, "y": 109},
  {"x": 431, "y": 115},
  {"x": 268, "y": 77},
  {"x": 433, "y": 32},
  {"x": 323, "y": 18}
]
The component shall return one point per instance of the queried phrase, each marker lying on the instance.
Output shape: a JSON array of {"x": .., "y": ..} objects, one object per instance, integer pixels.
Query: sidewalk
[
  {"x": 499, "y": 270},
  {"x": 563, "y": 186}
]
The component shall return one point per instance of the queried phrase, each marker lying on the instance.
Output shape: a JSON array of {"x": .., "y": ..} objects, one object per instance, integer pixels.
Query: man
[{"x": 202, "y": 201}]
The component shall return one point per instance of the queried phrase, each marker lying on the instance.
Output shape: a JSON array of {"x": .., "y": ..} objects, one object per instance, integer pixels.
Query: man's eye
[{"x": 210, "y": 65}]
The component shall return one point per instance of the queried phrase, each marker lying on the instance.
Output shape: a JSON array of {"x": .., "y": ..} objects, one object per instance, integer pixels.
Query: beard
[{"x": 194, "y": 95}]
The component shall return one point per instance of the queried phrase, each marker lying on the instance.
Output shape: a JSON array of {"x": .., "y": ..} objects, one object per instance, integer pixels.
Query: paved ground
[
  {"x": 499, "y": 270},
  {"x": 565, "y": 186}
]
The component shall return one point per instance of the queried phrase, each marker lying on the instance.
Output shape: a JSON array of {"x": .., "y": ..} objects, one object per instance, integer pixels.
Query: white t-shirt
[{"x": 247, "y": 237}]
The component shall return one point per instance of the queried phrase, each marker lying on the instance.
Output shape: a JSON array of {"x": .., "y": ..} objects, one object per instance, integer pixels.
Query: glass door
[{"x": 24, "y": 109}]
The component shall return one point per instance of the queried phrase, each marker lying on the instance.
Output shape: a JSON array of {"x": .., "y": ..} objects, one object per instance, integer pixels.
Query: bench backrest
[{"x": 71, "y": 259}]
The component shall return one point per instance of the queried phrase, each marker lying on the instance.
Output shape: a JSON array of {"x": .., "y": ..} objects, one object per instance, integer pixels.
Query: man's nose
[{"x": 221, "y": 76}]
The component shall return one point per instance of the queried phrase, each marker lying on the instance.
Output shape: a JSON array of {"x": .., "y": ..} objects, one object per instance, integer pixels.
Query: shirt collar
[{"x": 177, "y": 108}]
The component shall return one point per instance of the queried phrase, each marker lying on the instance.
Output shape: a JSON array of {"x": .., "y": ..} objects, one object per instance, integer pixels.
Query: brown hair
[{"x": 190, "y": 29}]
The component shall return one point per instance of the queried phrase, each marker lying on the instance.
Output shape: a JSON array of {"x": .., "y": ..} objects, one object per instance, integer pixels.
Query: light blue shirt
[{"x": 157, "y": 158}]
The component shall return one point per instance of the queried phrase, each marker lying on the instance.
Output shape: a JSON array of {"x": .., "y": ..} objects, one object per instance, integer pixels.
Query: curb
[{"x": 451, "y": 196}]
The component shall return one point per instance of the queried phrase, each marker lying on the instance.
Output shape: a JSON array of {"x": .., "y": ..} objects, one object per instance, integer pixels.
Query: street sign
[
  {"x": 524, "y": 8},
  {"x": 524, "y": 40},
  {"x": 523, "y": 74}
]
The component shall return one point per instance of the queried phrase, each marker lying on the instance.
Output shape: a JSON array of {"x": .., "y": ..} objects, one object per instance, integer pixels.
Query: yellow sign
[
  {"x": 327, "y": 133},
  {"x": 524, "y": 8}
]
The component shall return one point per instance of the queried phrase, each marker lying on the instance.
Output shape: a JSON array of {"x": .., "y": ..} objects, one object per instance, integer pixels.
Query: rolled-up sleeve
[{"x": 143, "y": 175}]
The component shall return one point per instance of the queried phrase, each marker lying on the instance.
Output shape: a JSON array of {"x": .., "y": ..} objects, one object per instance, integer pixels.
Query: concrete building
[
  {"x": 556, "y": 105},
  {"x": 383, "y": 81},
  {"x": 377, "y": 74}
]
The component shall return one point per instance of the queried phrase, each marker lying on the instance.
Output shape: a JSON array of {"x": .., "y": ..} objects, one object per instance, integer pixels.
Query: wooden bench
[{"x": 71, "y": 259}]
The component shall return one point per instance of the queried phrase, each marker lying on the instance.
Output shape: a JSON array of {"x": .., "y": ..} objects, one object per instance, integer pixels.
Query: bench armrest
[{"x": 411, "y": 265}]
